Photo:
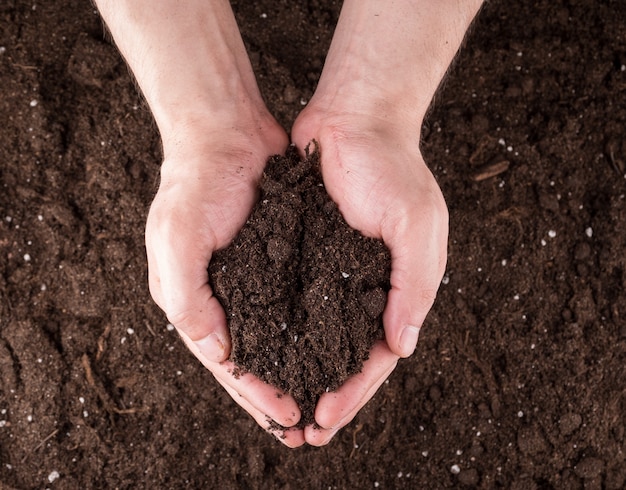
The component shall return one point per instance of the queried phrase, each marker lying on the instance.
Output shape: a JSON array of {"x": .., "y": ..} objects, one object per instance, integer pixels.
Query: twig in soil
[
  {"x": 149, "y": 328},
  {"x": 88, "y": 371},
  {"x": 355, "y": 446},
  {"x": 24, "y": 67},
  {"x": 40, "y": 445},
  {"x": 616, "y": 165},
  {"x": 480, "y": 148},
  {"x": 106, "y": 400},
  {"x": 490, "y": 170},
  {"x": 128, "y": 411},
  {"x": 101, "y": 341}
]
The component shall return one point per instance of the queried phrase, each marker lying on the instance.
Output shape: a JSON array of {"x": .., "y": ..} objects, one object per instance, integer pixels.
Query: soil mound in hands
[{"x": 303, "y": 292}]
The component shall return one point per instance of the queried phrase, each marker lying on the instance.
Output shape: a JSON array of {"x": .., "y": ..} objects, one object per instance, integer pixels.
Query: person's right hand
[{"x": 209, "y": 182}]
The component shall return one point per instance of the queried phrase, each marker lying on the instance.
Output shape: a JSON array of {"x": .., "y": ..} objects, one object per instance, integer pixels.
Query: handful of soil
[{"x": 303, "y": 292}]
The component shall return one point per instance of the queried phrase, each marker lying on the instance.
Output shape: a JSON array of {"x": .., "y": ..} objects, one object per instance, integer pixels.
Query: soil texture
[
  {"x": 519, "y": 379},
  {"x": 303, "y": 292}
]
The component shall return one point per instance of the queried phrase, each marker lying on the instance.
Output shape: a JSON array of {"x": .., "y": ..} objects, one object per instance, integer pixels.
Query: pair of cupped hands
[{"x": 371, "y": 167}]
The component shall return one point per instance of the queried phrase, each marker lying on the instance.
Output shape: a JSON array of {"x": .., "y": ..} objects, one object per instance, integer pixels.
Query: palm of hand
[
  {"x": 192, "y": 215},
  {"x": 384, "y": 189}
]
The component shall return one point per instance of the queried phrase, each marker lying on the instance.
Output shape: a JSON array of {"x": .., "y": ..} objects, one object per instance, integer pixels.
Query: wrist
[
  {"x": 369, "y": 107},
  {"x": 207, "y": 128},
  {"x": 389, "y": 60},
  {"x": 189, "y": 61}
]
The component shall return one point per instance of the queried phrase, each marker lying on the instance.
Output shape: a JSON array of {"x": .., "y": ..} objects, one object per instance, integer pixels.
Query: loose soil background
[{"x": 520, "y": 373}]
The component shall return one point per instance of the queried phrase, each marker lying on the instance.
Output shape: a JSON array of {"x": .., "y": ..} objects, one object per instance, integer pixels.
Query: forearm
[
  {"x": 399, "y": 51},
  {"x": 188, "y": 58}
]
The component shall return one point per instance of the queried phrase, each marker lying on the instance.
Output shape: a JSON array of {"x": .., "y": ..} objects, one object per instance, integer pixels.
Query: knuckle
[
  {"x": 425, "y": 298},
  {"x": 182, "y": 319}
]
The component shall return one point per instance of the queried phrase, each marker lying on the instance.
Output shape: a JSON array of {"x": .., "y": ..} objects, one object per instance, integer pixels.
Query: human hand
[
  {"x": 377, "y": 176},
  {"x": 209, "y": 182}
]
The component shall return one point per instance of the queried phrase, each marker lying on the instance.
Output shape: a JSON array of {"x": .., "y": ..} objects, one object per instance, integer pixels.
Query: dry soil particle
[{"x": 303, "y": 292}]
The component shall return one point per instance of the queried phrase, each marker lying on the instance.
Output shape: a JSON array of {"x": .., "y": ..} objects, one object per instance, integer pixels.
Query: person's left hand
[{"x": 377, "y": 176}]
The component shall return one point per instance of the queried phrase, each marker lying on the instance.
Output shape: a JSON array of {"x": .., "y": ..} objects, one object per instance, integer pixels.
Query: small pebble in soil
[
  {"x": 53, "y": 476},
  {"x": 304, "y": 292}
]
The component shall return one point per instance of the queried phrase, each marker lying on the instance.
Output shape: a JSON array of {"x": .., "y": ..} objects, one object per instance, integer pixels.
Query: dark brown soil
[
  {"x": 519, "y": 379},
  {"x": 303, "y": 292}
]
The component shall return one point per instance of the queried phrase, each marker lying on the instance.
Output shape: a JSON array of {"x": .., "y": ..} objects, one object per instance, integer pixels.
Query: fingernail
[
  {"x": 211, "y": 347},
  {"x": 408, "y": 339}
]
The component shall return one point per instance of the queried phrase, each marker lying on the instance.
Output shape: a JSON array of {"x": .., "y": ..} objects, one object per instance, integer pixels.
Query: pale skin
[{"x": 384, "y": 65}]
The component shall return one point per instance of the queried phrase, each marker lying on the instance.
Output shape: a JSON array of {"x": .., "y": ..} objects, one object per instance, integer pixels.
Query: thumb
[
  {"x": 201, "y": 317},
  {"x": 418, "y": 260},
  {"x": 179, "y": 283}
]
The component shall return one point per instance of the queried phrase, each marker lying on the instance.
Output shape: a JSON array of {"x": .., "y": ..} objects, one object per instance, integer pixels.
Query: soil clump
[{"x": 303, "y": 292}]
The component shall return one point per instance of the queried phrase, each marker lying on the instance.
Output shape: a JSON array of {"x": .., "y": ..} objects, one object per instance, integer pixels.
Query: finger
[
  {"x": 179, "y": 283},
  {"x": 318, "y": 436},
  {"x": 321, "y": 437},
  {"x": 336, "y": 409},
  {"x": 418, "y": 261},
  {"x": 289, "y": 437},
  {"x": 263, "y": 397}
]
